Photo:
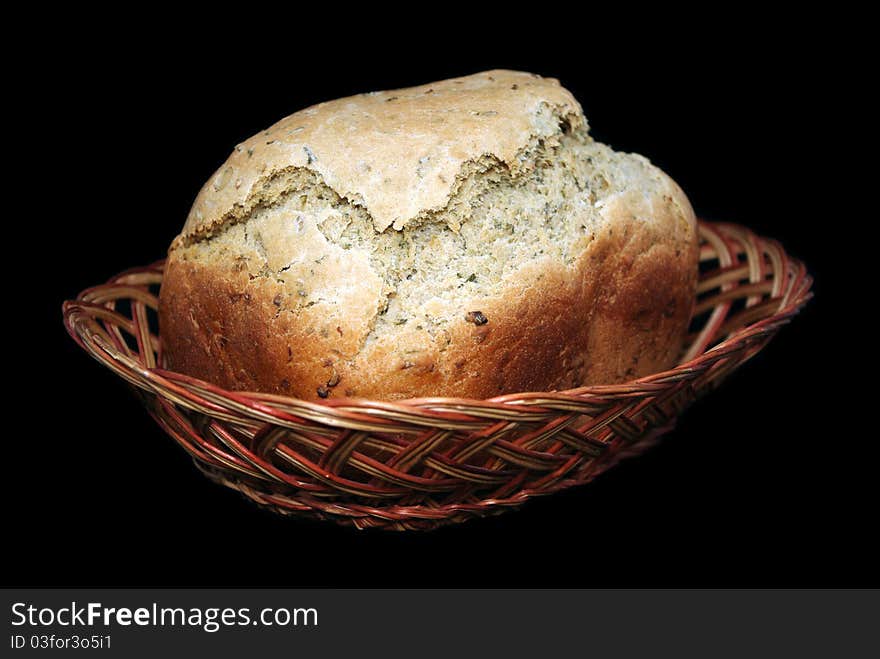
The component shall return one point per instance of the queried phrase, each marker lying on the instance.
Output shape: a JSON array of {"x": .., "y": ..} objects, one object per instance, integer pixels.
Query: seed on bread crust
[{"x": 476, "y": 317}]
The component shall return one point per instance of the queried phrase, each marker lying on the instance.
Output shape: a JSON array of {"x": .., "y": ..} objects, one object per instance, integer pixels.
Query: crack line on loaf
[{"x": 574, "y": 183}]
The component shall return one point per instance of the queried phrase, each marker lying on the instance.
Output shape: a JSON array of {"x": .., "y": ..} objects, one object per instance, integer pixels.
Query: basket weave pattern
[{"x": 421, "y": 463}]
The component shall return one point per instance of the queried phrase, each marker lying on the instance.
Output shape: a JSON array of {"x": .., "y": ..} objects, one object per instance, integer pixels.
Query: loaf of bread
[{"x": 465, "y": 238}]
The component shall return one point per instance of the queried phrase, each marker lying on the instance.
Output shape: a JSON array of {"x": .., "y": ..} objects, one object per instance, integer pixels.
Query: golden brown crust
[{"x": 619, "y": 312}]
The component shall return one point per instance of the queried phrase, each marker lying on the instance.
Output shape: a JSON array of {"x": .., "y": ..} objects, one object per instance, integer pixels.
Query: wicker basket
[{"x": 421, "y": 463}]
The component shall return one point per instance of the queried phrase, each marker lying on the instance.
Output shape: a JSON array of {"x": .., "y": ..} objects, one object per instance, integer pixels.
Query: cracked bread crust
[
  {"x": 398, "y": 153},
  {"x": 314, "y": 284}
]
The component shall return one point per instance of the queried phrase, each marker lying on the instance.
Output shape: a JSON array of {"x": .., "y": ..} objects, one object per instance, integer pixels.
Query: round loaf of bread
[{"x": 465, "y": 238}]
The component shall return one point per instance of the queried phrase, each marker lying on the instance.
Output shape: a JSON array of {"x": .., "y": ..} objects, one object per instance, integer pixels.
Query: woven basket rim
[{"x": 796, "y": 294}]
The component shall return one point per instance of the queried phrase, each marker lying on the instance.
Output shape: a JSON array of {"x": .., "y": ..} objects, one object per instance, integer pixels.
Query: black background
[{"x": 768, "y": 481}]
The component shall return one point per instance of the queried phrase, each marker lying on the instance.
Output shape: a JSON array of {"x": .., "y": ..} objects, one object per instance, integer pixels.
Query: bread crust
[
  {"x": 617, "y": 310},
  {"x": 397, "y": 153}
]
